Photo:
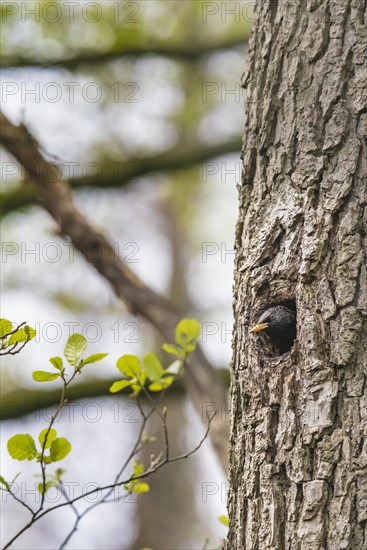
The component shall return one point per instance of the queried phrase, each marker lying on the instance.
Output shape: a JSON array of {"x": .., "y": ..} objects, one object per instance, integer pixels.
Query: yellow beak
[{"x": 257, "y": 328}]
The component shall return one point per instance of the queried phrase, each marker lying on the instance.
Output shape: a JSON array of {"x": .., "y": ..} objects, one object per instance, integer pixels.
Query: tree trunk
[{"x": 298, "y": 458}]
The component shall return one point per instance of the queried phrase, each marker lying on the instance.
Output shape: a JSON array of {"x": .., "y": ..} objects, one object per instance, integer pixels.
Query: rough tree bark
[{"x": 298, "y": 458}]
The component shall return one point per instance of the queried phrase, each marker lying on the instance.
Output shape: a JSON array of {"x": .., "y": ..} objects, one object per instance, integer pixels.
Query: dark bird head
[{"x": 279, "y": 323}]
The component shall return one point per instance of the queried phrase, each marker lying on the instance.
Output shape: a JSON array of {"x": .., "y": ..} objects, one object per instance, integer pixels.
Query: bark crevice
[{"x": 298, "y": 460}]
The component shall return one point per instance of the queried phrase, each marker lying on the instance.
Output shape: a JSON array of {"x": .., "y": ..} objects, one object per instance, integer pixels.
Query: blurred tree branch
[
  {"x": 22, "y": 401},
  {"x": 186, "y": 52},
  {"x": 203, "y": 381},
  {"x": 121, "y": 174}
]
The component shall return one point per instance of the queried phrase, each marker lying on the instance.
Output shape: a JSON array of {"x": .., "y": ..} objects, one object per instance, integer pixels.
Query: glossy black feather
[{"x": 282, "y": 327}]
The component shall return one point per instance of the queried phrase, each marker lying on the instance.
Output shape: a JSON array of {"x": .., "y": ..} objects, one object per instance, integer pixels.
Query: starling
[{"x": 279, "y": 323}]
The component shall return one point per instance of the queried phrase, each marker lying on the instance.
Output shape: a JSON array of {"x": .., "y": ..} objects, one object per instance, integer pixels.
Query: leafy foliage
[
  {"x": 57, "y": 363},
  {"x": 23, "y": 446},
  {"x": 187, "y": 333},
  {"x": 75, "y": 346},
  {"x": 186, "y": 336},
  {"x": 44, "y": 376},
  {"x": 6, "y": 328},
  {"x": 46, "y": 437},
  {"x": 12, "y": 341},
  {"x": 147, "y": 375},
  {"x": 135, "y": 486},
  {"x": 60, "y": 448},
  {"x": 223, "y": 520},
  {"x": 159, "y": 378}
]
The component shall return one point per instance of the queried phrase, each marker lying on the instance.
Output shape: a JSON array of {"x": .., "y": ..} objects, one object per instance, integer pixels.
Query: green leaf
[
  {"x": 162, "y": 384},
  {"x": 119, "y": 385},
  {"x": 5, "y": 327},
  {"x": 93, "y": 358},
  {"x": 15, "y": 477},
  {"x": 44, "y": 488},
  {"x": 129, "y": 365},
  {"x": 60, "y": 448},
  {"x": 44, "y": 376},
  {"x": 50, "y": 437},
  {"x": 224, "y": 520},
  {"x": 137, "y": 389},
  {"x": 190, "y": 347},
  {"x": 135, "y": 486},
  {"x": 175, "y": 368},
  {"x": 142, "y": 378},
  {"x": 138, "y": 468},
  {"x": 75, "y": 346},
  {"x": 3, "y": 482},
  {"x": 140, "y": 488},
  {"x": 153, "y": 367},
  {"x": 59, "y": 472},
  {"x": 187, "y": 332},
  {"x": 57, "y": 363},
  {"x": 31, "y": 332},
  {"x": 174, "y": 350},
  {"x": 22, "y": 335},
  {"x": 22, "y": 447}
]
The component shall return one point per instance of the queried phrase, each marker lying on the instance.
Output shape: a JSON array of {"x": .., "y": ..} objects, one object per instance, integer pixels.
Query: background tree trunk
[{"x": 298, "y": 458}]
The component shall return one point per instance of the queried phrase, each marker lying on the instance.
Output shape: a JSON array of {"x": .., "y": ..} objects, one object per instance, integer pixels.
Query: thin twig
[
  {"x": 7, "y": 351},
  {"x": 113, "y": 485},
  {"x": 135, "y": 450},
  {"x": 53, "y": 193},
  {"x": 20, "y": 501},
  {"x": 77, "y": 520},
  {"x": 12, "y": 351},
  {"x": 165, "y": 430},
  {"x": 13, "y": 331}
]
